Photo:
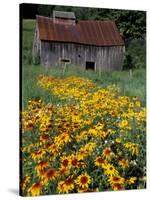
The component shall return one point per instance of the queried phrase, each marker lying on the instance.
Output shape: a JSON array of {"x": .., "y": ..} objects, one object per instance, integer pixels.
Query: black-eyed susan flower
[
  {"x": 100, "y": 161},
  {"x": 131, "y": 180},
  {"x": 131, "y": 104},
  {"x": 63, "y": 171},
  {"x": 89, "y": 147},
  {"x": 35, "y": 189},
  {"x": 66, "y": 186},
  {"x": 138, "y": 103},
  {"x": 81, "y": 154},
  {"x": 65, "y": 161},
  {"x": 54, "y": 148},
  {"x": 118, "y": 140},
  {"x": 133, "y": 148},
  {"x": 124, "y": 163},
  {"x": 74, "y": 161},
  {"x": 83, "y": 180},
  {"x": 108, "y": 153},
  {"x": 50, "y": 174},
  {"x": 40, "y": 167},
  {"x": 38, "y": 155},
  {"x": 62, "y": 138},
  {"x": 124, "y": 124},
  {"x": 60, "y": 187},
  {"x": 44, "y": 138},
  {"x": 47, "y": 175},
  {"x": 117, "y": 186},
  {"x": 116, "y": 179},
  {"x": 110, "y": 170}
]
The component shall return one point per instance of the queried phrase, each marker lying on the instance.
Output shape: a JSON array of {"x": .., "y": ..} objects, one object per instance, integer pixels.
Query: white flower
[{"x": 133, "y": 162}]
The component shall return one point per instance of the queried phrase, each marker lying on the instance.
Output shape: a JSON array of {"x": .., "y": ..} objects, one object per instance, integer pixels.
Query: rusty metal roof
[{"x": 89, "y": 32}]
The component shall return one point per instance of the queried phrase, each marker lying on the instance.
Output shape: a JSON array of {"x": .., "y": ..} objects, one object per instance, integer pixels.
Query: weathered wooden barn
[{"x": 91, "y": 44}]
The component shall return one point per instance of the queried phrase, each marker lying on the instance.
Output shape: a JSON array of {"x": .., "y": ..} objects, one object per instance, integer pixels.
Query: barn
[{"x": 90, "y": 44}]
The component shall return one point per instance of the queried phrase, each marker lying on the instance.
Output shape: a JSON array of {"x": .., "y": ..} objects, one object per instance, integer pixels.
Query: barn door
[{"x": 90, "y": 65}]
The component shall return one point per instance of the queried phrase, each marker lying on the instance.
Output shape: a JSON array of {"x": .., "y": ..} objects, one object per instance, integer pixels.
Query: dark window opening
[
  {"x": 90, "y": 65},
  {"x": 64, "y": 60},
  {"x": 79, "y": 56}
]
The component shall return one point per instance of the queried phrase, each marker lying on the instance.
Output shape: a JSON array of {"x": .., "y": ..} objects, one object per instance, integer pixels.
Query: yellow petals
[
  {"x": 83, "y": 181},
  {"x": 133, "y": 148},
  {"x": 24, "y": 182},
  {"x": 100, "y": 161},
  {"x": 123, "y": 163},
  {"x": 38, "y": 155},
  {"x": 107, "y": 153},
  {"x": 110, "y": 170},
  {"x": 35, "y": 189},
  {"x": 66, "y": 186},
  {"x": 131, "y": 180}
]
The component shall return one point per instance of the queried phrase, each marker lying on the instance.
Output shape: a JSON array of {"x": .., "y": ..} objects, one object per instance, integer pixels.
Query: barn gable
[{"x": 81, "y": 42}]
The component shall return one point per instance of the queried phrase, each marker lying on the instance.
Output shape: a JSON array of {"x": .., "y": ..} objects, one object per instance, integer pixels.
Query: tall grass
[{"x": 27, "y": 36}]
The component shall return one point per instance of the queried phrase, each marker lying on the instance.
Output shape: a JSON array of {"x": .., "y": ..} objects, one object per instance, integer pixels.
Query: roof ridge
[{"x": 80, "y": 19}]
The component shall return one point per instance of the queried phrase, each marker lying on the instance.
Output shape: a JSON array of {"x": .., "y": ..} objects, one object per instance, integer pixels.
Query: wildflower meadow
[{"x": 91, "y": 139}]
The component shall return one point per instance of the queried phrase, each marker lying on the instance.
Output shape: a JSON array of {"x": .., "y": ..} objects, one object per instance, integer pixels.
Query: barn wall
[
  {"x": 36, "y": 50},
  {"x": 105, "y": 58}
]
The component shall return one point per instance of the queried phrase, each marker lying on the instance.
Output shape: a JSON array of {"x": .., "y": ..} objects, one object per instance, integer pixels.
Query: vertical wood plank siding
[
  {"x": 36, "y": 50},
  {"x": 105, "y": 58}
]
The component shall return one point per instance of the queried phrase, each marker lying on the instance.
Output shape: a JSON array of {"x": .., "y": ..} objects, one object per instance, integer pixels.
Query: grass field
[{"x": 81, "y": 131}]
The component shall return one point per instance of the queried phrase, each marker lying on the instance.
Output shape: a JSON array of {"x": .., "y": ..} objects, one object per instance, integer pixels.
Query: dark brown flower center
[
  {"x": 116, "y": 178},
  {"x": 84, "y": 179},
  {"x": 69, "y": 181},
  {"x": 50, "y": 173},
  {"x": 107, "y": 152},
  {"x": 74, "y": 162},
  {"x": 100, "y": 160},
  {"x": 65, "y": 162},
  {"x": 44, "y": 137},
  {"x": 36, "y": 186}
]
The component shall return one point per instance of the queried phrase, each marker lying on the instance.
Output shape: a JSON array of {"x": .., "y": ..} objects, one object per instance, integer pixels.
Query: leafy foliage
[{"x": 135, "y": 56}]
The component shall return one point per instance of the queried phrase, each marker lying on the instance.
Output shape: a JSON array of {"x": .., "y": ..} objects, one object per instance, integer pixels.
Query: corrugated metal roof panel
[{"x": 89, "y": 32}]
